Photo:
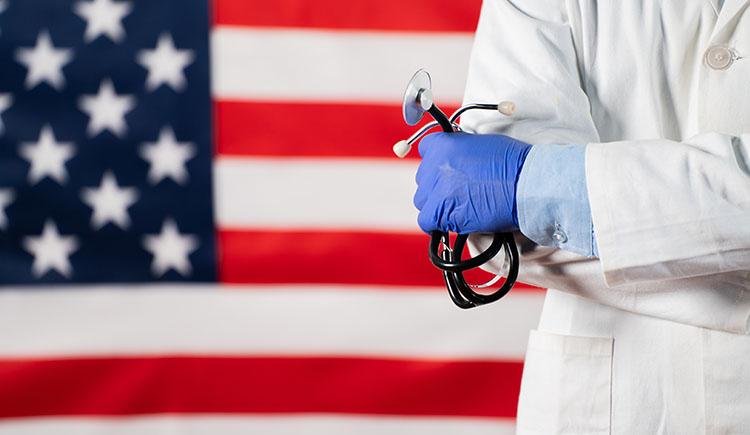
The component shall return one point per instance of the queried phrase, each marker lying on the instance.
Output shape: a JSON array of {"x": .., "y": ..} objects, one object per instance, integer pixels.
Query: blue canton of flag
[{"x": 105, "y": 141}]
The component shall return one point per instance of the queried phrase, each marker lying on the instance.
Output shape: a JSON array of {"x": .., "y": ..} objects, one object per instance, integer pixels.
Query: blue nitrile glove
[{"x": 466, "y": 183}]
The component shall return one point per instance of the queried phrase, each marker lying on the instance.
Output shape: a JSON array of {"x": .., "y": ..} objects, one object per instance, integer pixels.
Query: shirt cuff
[{"x": 552, "y": 200}]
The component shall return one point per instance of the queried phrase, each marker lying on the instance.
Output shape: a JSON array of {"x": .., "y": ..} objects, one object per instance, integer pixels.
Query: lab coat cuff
[
  {"x": 552, "y": 200},
  {"x": 639, "y": 247}
]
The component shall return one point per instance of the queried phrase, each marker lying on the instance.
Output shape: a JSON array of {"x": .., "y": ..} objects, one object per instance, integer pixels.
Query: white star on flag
[
  {"x": 6, "y": 197},
  {"x": 170, "y": 249},
  {"x": 103, "y": 17},
  {"x": 47, "y": 157},
  {"x": 44, "y": 62},
  {"x": 110, "y": 202},
  {"x": 165, "y": 64},
  {"x": 51, "y": 251},
  {"x": 5, "y": 102},
  {"x": 167, "y": 157},
  {"x": 107, "y": 109}
]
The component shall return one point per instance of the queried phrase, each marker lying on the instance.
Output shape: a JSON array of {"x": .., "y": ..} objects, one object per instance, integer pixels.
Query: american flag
[{"x": 203, "y": 230}]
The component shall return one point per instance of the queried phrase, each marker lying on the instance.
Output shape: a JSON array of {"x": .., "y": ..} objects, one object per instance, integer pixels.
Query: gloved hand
[{"x": 466, "y": 183}]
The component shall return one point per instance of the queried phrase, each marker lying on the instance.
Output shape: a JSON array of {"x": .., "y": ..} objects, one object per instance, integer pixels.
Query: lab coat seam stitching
[
  {"x": 742, "y": 299},
  {"x": 703, "y": 382},
  {"x": 612, "y": 276},
  {"x": 611, "y": 386}
]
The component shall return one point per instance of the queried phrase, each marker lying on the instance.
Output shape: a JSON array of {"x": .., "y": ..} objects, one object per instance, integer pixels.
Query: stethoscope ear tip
[
  {"x": 507, "y": 108},
  {"x": 401, "y": 149}
]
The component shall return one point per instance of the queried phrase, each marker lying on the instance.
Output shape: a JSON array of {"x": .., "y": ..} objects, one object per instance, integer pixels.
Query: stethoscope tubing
[
  {"x": 462, "y": 294},
  {"x": 437, "y": 239}
]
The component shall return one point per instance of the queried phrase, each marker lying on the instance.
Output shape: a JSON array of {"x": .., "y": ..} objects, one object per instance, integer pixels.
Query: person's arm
[
  {"x": 664, "y": 210},
  {"x": 660, "y": 209},
  {"x": 553, "y": 202},
  {"x": 691, "y": 218},
  {"x": 527, "y": 54},
  {"x": 529, "y": 57},
  {"x": 720, "y": 302}
]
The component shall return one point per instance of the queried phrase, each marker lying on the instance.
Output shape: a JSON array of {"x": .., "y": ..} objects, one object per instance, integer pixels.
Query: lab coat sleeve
[
  {"x": 664, "y": 210},
  {"x": 725, "y": 307},
  {"x": 528, "y": 56},
  {"x": 666, "y": 214},
  {"x": 525, "y": 52}
]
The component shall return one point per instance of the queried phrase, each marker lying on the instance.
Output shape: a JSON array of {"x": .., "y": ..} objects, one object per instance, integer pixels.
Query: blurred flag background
[{"x": 203, "y": 228}]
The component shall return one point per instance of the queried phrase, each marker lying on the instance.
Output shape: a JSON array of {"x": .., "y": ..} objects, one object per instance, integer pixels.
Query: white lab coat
[{"x": 651, "y": 338}]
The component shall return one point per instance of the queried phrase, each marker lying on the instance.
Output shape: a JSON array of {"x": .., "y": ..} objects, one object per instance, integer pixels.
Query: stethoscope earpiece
[{"x": 401, "y": 149}]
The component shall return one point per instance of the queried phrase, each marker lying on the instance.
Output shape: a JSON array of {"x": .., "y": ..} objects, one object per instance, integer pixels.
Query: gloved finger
[
  {"x": 431, "y": 160},
  {"x": 421, "y": 195},
  {"x": 422, "y": 171},
  {"x": 429, "y": 142},
  {"x": 427, "y": 178},
  {"x": 426, "y": 222},
  {"x": 430, "y": 216},
  {"x": 427, "y": 173}
]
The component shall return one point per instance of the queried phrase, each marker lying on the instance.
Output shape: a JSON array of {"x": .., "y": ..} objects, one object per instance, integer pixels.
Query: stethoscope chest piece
[
  {"x": 417, "y": 97},
  {"x": 418, "y": 100}
]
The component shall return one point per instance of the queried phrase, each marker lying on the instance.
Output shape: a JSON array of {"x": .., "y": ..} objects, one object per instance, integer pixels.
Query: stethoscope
[{"x": 418, "y": 100}]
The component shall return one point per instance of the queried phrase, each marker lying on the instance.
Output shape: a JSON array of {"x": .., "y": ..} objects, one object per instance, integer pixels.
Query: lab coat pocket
[{"x": 566, "y": 385}]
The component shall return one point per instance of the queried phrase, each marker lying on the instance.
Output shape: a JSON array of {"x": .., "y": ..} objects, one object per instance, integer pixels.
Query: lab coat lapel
[{"x": 728, "y": 11}]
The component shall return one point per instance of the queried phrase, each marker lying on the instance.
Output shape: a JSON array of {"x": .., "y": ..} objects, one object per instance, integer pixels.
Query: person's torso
[
  {"x": 651, "y": 69},
  {"x": 664, "y": 69}
]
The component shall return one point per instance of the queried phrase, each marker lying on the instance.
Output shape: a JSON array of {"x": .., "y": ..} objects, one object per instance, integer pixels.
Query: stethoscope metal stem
[
  {"x": 421, "y": 132},
  {"x": 453, "y": 118}
]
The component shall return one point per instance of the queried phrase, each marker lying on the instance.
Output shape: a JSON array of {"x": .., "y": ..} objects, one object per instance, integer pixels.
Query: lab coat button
[
  {"x": 719, "y": 58},
  {"x": 559, "y": 236}
]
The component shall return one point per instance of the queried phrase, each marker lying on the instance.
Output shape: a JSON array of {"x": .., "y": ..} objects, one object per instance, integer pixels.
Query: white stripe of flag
[
  {"x": 316, "y": 65},
  {"x": 261, "y": 320},
  {"x": 287, "y": 424},
  {"x": 315, "y": 193}
]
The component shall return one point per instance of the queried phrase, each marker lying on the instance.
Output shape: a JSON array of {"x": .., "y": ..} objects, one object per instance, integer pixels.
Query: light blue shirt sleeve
[{"x": 552, "y": 200}]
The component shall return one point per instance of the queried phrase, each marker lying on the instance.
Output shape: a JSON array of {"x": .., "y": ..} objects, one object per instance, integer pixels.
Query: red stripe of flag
[
  {"x": 268, "y": 256},
  {"x": 309, "y": 129},
  {"x": 330, "y": 257},
  {"x": 133, "y": 385},
  {"x": 412, "y": 15}
]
